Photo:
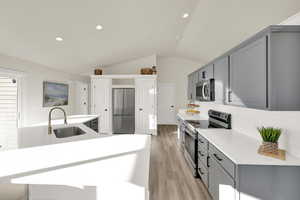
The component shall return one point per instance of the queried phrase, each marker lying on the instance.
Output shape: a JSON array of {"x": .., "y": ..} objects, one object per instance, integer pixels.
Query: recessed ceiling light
[
  {"x": 99, "y": 27},
  {"x": 59, "y": 39},
  {"x": 185, "y": 15}
]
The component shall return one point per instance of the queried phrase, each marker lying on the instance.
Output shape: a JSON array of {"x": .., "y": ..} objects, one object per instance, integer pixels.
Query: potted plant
[{"x": 270, "y": 138}]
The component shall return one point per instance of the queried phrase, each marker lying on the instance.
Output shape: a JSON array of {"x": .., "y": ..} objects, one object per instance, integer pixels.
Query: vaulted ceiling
[{"x": 131, "y": 29}]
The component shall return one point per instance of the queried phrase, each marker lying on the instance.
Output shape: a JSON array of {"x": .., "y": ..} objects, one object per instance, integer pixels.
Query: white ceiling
[
  {"x": 217, "y": 25},
  {"x": 132, "y": 28}
]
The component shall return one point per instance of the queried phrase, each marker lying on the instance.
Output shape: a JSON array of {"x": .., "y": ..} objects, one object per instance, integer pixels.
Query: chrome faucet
[{"x": 49, "y": 119}]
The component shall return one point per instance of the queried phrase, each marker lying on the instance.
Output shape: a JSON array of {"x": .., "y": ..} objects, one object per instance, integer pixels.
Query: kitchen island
[
  {"x": 37, "y": 134},
  {"x": 108, "y": 167}
]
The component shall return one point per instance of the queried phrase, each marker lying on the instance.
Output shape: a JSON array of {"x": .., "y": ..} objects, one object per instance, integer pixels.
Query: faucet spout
[{"x": 50, "y": 116}]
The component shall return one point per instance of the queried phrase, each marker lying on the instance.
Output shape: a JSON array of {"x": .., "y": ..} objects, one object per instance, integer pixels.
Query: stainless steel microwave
[{"x": 205, "y": 90}]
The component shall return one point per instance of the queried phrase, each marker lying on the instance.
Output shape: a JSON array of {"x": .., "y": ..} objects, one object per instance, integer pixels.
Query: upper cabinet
[
  {"x": 284, "y": 69},
  {"x": 261, "y": 73},
  {"x": 206, "y": 72},
  {"x": 192, "y": 81},
  {"x": 221, "y": 76},
  {"x": 248, "y": 75}
]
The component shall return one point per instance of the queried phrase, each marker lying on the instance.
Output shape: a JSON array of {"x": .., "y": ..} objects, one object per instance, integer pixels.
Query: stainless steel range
[{"x": 216, "y": 120}]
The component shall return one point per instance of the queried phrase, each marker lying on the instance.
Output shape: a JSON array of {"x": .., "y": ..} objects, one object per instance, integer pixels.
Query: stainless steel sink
[{"x": 68, "y": 132}]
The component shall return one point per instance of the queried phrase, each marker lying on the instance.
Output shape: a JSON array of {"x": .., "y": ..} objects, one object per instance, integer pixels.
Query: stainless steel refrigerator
[{"x": 123, "y": 110}]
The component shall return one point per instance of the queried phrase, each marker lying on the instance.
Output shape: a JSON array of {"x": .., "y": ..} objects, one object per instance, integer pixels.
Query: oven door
[{"x": 190, "y": 144}]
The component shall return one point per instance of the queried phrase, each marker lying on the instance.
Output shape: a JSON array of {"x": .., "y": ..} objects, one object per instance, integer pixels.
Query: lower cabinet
[
  {"x": 221, "y": 185},
  {"x": 216, "y": 171}
]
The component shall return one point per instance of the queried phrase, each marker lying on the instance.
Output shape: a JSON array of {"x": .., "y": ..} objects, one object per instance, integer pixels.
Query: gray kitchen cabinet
[
  {"x": 189, "y": 87},
  {"x": 221, "y": 76},
  {"x": 284, "y": 70},
  {"x": 206, "y": 72},
  {"x": 248, "y": 75},
  {"x": 195, "y": 81},
  {"x": 220, "y": 183},
  {"x": 192, "y": 81},
  {"x": 263, "y": 71}
]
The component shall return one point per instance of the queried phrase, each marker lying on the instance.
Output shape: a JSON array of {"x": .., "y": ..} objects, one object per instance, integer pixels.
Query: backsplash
[{"x": 246, "y": 121}]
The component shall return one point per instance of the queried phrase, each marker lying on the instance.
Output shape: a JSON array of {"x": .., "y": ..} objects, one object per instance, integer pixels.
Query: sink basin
[{"x": 68, "y": 132}]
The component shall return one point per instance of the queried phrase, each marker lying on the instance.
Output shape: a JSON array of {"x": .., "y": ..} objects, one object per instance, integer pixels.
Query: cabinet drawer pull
[
  {"x": 201, "y": 141},
  {"x": 217, "y": 157},
  {"x": 201, "y": 154}
]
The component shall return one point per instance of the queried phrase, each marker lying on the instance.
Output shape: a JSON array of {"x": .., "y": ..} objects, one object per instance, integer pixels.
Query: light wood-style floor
[{"x": 170, "y": 176}]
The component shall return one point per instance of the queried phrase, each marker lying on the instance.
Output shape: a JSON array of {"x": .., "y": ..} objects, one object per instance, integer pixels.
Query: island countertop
[
  {"x": 116, "y": 158},
  {"x": 37, "y": 134}
]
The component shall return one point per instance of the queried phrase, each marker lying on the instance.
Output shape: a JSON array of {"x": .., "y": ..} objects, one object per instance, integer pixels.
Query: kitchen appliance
[
  {"x": 205, "y": 90},
  {"x": 216, "y": 120},
  {"x": 123, "y": 110}
]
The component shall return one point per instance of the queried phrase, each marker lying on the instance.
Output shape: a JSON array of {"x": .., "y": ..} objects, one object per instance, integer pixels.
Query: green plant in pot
[{"x": 270, "y": 138}]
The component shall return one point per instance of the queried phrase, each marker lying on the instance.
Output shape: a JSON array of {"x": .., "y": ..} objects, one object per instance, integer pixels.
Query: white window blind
[{"x": 8, "y": 113}]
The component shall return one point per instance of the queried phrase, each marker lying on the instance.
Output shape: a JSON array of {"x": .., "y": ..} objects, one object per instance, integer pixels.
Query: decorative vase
[{"x": 269, "y": 147}]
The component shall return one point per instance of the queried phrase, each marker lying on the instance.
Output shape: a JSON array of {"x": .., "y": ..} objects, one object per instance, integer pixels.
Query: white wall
[
  {"x": 175, "y": 70},
  {"x": 131, "y": 66},
  {"x": 32, "y": 87},
  {"x": 32, "y": 111},
  {"x": 170, "y": 70},
  {"x": 246, "y": 121}
]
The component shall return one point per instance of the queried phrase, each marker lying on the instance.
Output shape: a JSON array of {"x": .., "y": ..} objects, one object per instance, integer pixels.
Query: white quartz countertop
[
  {"x": 37, "y": 134},
  {"x": 184, "y": 116},
  {"x": 242, "y": 149},
  {"x": 71, "y": 119},
  {"x": 120, "y": 159}
]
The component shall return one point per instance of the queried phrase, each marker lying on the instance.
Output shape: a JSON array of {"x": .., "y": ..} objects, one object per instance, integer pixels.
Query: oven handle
[{"x": 203, "y": 88}]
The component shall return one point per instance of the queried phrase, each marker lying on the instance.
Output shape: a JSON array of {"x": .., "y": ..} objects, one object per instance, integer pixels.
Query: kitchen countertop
[
  {"x": 242, "y": 149},
  {"x": 121, "y": 159},
  {"x": 37, "y": 134},
  {"x": 184, "y": 116},
  {"x": 71, "y": 119}
]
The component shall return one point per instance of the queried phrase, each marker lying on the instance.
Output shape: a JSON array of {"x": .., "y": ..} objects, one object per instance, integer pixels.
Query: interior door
[
  {"x": 146, "y": 119},
  {"x": 166, "y": 104},
  {"x": 101, "y": 105}
]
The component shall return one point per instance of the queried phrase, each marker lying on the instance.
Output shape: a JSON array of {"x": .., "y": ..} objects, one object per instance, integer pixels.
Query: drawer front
[
  {"x": 202, "y": 155},
  {"x": 203, "y": 172},
  {"x": 220, "y": 158},
  {"x": 202, "y": 142}
]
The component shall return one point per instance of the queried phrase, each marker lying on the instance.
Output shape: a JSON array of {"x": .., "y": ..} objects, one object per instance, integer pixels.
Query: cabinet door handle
[
  {"x": 172, "y": 106},
  {"x": 217, "y": 157},
  {"x": 207, "y": 161},
  {"x": 229, "y": 96},
  {"x": 105, "y": 109},
  {"x": 140, "y": 109},
  {"x": 201, "y": 154},
  {"x": 200, "y": 171},
  {"x": 201, "y": 141}
]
